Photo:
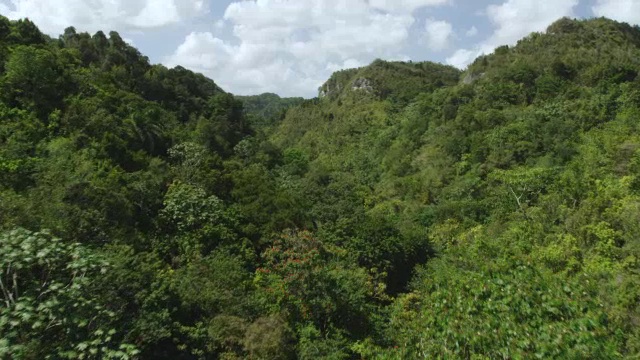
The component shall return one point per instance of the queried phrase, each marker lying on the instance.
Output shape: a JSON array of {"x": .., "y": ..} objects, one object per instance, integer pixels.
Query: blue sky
[{"x": 291, "y": 47}]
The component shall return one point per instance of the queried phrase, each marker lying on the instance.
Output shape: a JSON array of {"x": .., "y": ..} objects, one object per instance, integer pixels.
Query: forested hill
[
  {"x": 410, "y": 211},
  {"x": 267, "y": 109}
]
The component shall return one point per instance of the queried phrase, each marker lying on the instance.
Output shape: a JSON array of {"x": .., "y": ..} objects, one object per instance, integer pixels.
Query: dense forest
[{"x": 411, "y": 210}]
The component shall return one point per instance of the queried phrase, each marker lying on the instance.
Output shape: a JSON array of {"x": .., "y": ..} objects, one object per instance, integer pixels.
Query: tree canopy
[{"x": 412, "y": 210}]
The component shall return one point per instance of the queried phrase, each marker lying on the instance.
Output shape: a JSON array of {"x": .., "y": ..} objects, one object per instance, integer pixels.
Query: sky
[{"x": 291, "y": 47}]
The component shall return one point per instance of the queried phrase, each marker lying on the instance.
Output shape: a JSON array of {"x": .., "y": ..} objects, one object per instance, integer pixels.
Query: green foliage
[
  {"x": 305, "y": 278},
  {"x": 199, "y": 222},
  {"x": 530, "y": 152},
  {"x": 317, "y": 284},
  {"x": 399, "y": 81},
  {"x": 48, "y": 309},
  {"x": 269, "y": 338},
  {"x": 33, "y": 79},
  {"x": 410, "y": 211},
  {"x": 267, "y": 109},
  {"x": 25, "y": 32},
  {"x": 506, "y": 308}
]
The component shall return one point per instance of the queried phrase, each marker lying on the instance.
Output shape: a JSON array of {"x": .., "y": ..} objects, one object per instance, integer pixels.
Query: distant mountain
[
  {"x": 267, "y": 107},
  {"x": 399, "y": 81}
]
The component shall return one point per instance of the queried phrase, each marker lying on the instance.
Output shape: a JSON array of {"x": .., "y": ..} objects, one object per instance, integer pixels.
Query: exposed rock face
[
  {"x": 384, "y": 79},
  {"x": 471, "y": 78},
  {"x": 333, "y": 87},
  {"x": 328, "y": 90},
  {"x": 363, "y": 84}
]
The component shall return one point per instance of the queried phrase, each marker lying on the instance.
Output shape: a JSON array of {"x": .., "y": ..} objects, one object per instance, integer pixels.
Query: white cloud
[
  {"x": 53, "y": 16},
  {"x": 405, "y": 5},
  {"x": 462, "y": 57},
  {"x": 129, "y": 41},
  {"x": 438, "y": 34},
  {"x": 513, "y": 20},
  {"x": 473, "y": 31},
  {"x": 348, "y": 64},
  {"x": 202, "y": 50},
  {"x": 292, "y": 47},
  {"x": 516, "y": 19},
  {"x": 621, "y": 10}
]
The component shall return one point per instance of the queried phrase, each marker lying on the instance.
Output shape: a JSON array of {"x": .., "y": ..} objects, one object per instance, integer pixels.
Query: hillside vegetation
[
  {"x": 410, "y": 211},
  {"x": 267, "y": 109}
]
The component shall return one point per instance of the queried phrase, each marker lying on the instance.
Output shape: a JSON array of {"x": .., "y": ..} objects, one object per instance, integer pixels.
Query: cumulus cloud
[
  {"x": 513, "y": 20},
  {"x": 405, "y": 5},
  {"x": 621, "y": 10},
  {"x": 438, "y": 34},
  {"x": 348, "y": 64},
  {"x": 53, "y": 16},
  {"x": 292, "y": 47},
  {"x": 473, "y": 31},
  {"x": 202, "y": 50},
  {"x": 462, "y": 57}
]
